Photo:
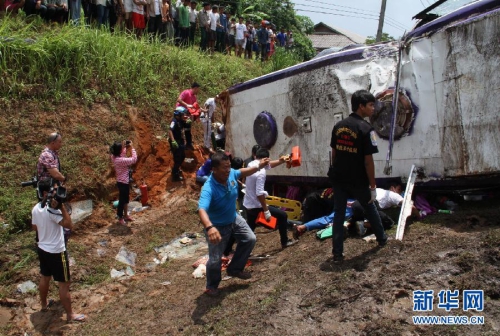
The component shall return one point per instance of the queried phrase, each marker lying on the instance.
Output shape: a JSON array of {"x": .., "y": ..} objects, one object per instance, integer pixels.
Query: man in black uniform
[
  {"x": 177, "y": 144},
  {"x": 353, "y": 172}
]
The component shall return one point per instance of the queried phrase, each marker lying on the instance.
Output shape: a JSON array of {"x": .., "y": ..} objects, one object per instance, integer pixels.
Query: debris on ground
[
  {"x": 182, "y": 247},
  {"x": 370, "y": 238},
  {"x": 200, "y": 271},
  {"x": 81, "y": 210},
  {"x": 118, "y": 274},
  {"x": 27, "y": 286},
  {"x": 125, "y": 256},
  {"x": 201, "y": 261}
]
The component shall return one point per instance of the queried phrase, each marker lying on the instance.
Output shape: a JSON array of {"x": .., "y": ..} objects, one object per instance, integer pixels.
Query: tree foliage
[
  {"x": 384, "y": 38},
  {"x": 281, "y": 14}
]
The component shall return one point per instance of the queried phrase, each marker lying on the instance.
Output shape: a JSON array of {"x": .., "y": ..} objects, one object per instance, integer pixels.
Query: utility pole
[{"x": 381, "y": 21}]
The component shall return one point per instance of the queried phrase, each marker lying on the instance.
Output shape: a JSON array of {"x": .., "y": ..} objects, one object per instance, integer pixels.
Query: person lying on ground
[
  {"x": 392, "y": 198},
  {"x": 320, "y": 223},
  {"x": 255, "y": 198},
  {"x": 355, "y": 216},
  {"x": 217, "y": 211}
]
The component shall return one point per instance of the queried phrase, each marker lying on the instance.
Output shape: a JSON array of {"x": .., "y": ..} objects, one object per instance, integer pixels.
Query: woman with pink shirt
[{"x": 122, "y": 164}]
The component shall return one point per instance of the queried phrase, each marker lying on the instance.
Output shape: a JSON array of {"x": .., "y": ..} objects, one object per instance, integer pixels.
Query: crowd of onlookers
[{"x": 180, "y": 23}]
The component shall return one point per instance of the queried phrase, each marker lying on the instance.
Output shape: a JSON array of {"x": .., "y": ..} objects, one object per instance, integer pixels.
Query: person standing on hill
[
  {"x": 193, "y": 16},
  {"x": 220, "y": 44},
  {"x": 217, "y": 211},
  {"x": 241, "y": 30},
  {"x": 207, "y": 120},
  {"x": 183, "y": 14},
  {"x": 177, "y": 141},
  {"x": 48, "y": 165},
  {"x": 122, "y": 165},
  {"x": 187, "y": 99},
  {"x": 203, "y": 22},
  {"x": 48, "y": 220},
  {"x": 263, "y": 37},
  {"x": 352, "y": 172},
  {"x": 153, "y": 10}
]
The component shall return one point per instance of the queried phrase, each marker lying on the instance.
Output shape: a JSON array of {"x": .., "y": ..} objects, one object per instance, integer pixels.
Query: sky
[{"x": 361, "y": 16}]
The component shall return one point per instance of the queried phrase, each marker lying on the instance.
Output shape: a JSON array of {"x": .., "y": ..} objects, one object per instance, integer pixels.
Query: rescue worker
[
  {"x": 177, "y": 143},
  {"x": 352, "y": 172}
]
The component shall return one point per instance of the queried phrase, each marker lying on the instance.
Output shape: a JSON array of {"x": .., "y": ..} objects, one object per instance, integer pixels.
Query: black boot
[{"x": 177, "y": 178}]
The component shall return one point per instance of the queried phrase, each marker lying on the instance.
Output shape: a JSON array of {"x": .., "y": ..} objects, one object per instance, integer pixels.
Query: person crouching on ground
[
  {"x": 217, "y": 211},
  {"x": 122, "y": 164},
  {"x": 255, "y": 198},
  {"x": 48, "y": 221},
  {"x": 177, "y": 144}
]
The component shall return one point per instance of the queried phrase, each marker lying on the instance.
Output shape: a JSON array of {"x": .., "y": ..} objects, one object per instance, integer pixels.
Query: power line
[
  {"x": 358, "y": 9},
  {"x": 365, "y": 16}
]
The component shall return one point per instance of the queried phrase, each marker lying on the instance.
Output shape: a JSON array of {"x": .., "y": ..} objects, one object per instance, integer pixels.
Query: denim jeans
[
  {"x": 320, "y": 223},
  {"x": 362, "y": 194},
  {"x": 102, "y": 15},
  {"x": 75, "y": 8},
  {"x": 245, "y": 239}
]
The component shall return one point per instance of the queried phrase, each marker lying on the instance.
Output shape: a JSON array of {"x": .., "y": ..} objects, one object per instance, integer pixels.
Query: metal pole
[{"x": 381, "y": 21}]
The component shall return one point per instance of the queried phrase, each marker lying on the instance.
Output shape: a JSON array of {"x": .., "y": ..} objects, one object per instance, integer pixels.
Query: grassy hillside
[{"x": 89, "y": 85}]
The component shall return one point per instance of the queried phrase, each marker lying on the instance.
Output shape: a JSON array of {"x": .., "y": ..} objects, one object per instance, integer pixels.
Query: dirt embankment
[{"x": 296, "y": 291}]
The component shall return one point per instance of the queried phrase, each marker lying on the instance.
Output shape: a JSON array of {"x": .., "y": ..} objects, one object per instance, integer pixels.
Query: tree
[
  {"x": 306, "y": 23},
  {"x": 282, "y": 15},
  {"x": 385, "y": 37}
]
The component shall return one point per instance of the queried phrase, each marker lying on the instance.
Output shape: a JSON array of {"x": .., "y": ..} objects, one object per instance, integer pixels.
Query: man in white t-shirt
[
  {"x": 241, "y": 30},
  {"x": 389, "y": 198},
  {"x": 255, "y": 198},
  {"x": 220, "y": 134},
  {"x": 207, "y": 119},
  {"x": 392, "y": 198},
  {"x": 49, "y": 222},
  {"x": 212, "y": 34}
]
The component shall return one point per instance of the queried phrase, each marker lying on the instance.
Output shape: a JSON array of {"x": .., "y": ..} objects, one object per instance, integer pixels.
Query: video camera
[{"x": 54, "y": 191}]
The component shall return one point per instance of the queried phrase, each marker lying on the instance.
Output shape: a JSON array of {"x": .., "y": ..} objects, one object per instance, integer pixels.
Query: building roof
[
  {"x": 355, "y": 38},
  {"x": 324, "y": 41}
]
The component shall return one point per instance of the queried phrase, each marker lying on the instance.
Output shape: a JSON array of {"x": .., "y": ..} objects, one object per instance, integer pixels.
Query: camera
[
  {"x": 57, "y": 193},
  {"x": 33, "y": 182},
  {"x": 127, "y": 142}
]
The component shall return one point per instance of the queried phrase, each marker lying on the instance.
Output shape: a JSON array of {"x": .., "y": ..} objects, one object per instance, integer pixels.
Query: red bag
[{"x": 195, "y": 111}]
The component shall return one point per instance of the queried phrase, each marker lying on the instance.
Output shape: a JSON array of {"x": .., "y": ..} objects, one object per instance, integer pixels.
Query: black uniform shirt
[
  {"x": 352, "y": 139},
  {"x": 176, "y": 126}
]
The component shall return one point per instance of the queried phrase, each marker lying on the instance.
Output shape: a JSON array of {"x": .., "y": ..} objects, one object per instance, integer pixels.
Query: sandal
[{"x": 77, "y": 318}]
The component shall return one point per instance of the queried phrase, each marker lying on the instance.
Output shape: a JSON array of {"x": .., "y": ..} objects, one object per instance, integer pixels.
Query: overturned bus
[{"x": 445, "y": 118}]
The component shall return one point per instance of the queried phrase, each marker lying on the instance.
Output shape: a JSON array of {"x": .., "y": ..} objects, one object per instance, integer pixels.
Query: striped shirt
[{"x": 122, "y": 163}]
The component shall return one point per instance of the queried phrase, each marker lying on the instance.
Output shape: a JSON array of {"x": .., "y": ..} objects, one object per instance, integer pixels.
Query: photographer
[
  {"x": 48, "y": 221},
  {"x": 122, "y": 163},
  {"x": 48, "y": 165}
]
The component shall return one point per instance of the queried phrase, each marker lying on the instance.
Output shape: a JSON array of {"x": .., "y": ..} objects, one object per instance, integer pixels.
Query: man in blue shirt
[
  {"x": 263, "y": 38},
  {"x": 220, "y": 43},
  {"x": 281, "y": 37},
  {"x": 217, "y": 211}
]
